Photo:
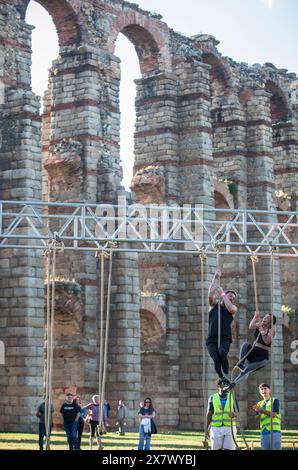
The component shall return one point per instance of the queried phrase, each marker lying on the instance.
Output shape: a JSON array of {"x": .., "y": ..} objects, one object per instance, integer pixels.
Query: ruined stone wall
[{"x": 209, "y": 131}]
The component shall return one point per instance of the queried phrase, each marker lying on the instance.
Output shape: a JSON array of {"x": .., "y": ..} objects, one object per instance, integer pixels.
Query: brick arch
[
  {"x": 278, "y": 102},
  {"x": 64, "y": 18},
  {"x": 224, "y": 192},
  {"x": 220, "y": 70},
  {"x": 148, "y": 35},
  {"x": 152, "y": 307}
]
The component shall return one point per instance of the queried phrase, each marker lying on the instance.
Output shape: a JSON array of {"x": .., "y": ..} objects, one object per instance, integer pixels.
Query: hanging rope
[
  {"x": 254, "y": 260},
  {"x": 50, "y": 253},
  {"x": 203, "y": 258},
  {"x": 272, "y": 355},
  {"x": 238, "y": 420},
  {"x": 106, "y": 253},
  {"x": 232, "y": 405},
  {"x": 218, "y": 305},
  {"x": 47, "y": 339}
]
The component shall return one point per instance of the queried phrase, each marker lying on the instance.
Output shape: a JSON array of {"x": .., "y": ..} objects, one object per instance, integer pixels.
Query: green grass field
[{"x": 180, "y": 440}]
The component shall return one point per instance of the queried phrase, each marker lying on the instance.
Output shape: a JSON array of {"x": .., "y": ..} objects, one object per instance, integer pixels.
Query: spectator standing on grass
[
  {"x": 105, "y": 414},
  {"x": 41, "y": 425},
  {"x": 93, "y": 420},
  {"x": 121, "y": 417},
  {"x": 77, "y": 400},
  {"x": 147, "y": 426},
  {"x": 71, "y": 414},
  {"x": 266, "y": 409}
]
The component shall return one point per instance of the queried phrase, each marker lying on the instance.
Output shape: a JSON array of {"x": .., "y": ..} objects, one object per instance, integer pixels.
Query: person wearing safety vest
[
  {"x": 266, "y": 409},
  {"x": 221, "y": 419}
]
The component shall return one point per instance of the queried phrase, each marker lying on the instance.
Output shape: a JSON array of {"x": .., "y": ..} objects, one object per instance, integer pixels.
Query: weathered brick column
[
  {"x": 21, "y": 270},
  {"x": 285, "y": 147},
  {"x": 261, "y": 195},
  {"x": 196, "y": 187},
  {"x": 124, "y": 362},
  {"x": 156, "y": 182},
  {"x": 81, "y": 159}
]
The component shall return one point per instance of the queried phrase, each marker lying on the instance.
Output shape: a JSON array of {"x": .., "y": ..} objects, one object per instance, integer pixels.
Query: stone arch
[
  {"x": 149, "y": 38},
  {"x": 278, "y": 102},
  {"x": 220, "y": 70},
  {"x": 221, "y": 85},
  {"x": 64, "y": 18},
  {"x": 153, "y": 325},
  {"x": 223, "y": 197},
  {"x": 155, "y": 309}
]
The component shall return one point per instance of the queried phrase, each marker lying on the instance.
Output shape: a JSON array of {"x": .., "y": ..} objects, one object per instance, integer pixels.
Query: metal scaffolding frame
[{"x": 148, "y": 229}]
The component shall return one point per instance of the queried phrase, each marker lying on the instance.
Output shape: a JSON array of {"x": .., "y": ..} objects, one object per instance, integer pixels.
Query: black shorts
[
  {"x": 94, "y": 428},
  {"x": 258, "y": 354}
]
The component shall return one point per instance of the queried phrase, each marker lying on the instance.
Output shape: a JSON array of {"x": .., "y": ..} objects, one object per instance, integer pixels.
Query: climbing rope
[
  {"x": 218, "y": 305},
  {"x": 51, "y": 251},
  {"x": 238, "y": 420},
  {"x": 105, "y": 253},
  {"x": 272, "y": 356},
  {"x": 254, "y": 260},
  {"x": 47, "y": 338},
  {"x": 231, "y": 396},
  {"x": 203, "y": 258}
]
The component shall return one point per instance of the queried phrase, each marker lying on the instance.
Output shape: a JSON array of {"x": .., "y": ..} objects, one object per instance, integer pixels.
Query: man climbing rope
[
  {"x": 221, "y": 419},
  {"x": 219, "y": 333},
  {"x": 256, "y": 356}
]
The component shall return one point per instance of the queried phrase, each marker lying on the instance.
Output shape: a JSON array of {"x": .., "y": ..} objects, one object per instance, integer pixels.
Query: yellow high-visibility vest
[
  {"x": 222, "y": 417},
  {"x": 265, "y": 420}
]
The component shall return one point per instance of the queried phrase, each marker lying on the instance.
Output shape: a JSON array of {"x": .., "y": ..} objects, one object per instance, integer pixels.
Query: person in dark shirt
[
  {"x": 41, "y": 425},
  {"x": 219, "y": 353},
  {"x": 147, "y": 426},
  {"x": 71, "y": 413},
  {"x": 258, "y": 354},
  {"x": 77, "y": 400}
]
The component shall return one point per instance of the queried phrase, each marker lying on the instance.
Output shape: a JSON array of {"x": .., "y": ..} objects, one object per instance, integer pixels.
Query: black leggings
[
  {"x": 256, "y": 359},
  {"x": 219, "y": 356},
  {"x": 80, "y": 430},
  {"x": 94, "y": 428}
]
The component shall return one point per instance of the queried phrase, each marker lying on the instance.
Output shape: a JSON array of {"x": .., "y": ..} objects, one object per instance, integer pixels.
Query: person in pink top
[{"x": 93, "y": 412}]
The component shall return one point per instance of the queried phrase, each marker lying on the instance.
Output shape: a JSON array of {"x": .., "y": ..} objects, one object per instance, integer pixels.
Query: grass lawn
[{"x": 180, "y": 440}]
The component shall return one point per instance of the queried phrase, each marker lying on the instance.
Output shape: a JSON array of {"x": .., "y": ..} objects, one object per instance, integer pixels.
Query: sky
[{"x": 252, "y": 31}]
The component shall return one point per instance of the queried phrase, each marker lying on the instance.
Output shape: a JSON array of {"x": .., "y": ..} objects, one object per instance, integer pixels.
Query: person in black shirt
[
  {"x": 71, "y": 413},
  {"x": 227, "y": 311},
  {"x": 147, "y": 426},
  {"x": 257, "y": 355}
]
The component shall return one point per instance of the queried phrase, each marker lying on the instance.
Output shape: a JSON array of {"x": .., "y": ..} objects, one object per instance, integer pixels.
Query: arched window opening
[
  {"x": 278, "y": 104},
  {"x": 130, "y": 70},
  {"x": 152, "y": 332},
  {"x": 44, "y": 46},
  {"x": 219, "y": 86}
]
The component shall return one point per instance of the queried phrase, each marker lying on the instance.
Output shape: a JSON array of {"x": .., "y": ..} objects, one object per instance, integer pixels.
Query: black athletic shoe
[
  {"x": 226, "y": 381},
  {"x": 230, "y": 386}
]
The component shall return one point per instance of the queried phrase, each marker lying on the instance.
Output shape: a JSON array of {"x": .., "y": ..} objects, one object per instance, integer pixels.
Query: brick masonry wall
[
  {"x": 202, "y": 121},
  {"x": 21, "y": 270}
]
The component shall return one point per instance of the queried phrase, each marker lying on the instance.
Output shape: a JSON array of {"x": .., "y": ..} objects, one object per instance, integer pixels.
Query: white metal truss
[{"x": 163, "y": 229}]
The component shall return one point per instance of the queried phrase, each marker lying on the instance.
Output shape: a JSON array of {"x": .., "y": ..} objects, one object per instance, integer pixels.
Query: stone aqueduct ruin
[{"x": 202, "y": 120}]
